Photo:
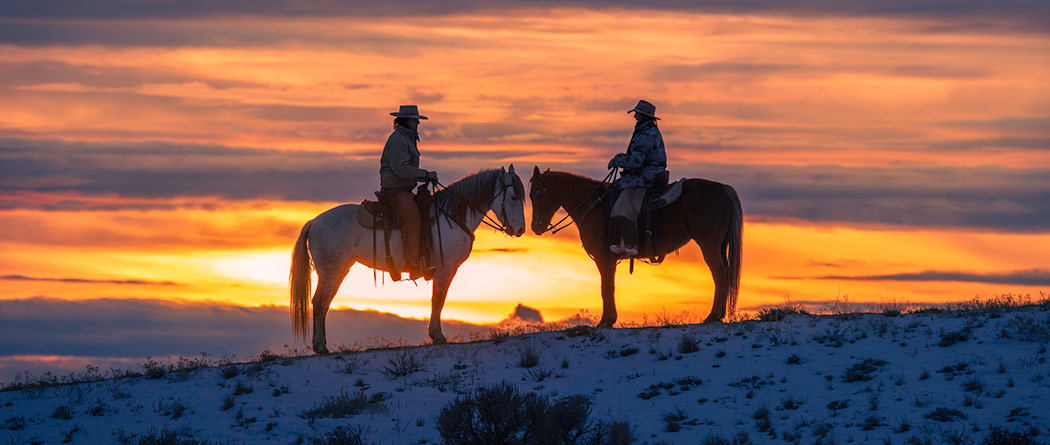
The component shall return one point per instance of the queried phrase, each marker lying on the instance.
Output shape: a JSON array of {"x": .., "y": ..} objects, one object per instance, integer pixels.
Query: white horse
[{"x": 334, "y": 240}]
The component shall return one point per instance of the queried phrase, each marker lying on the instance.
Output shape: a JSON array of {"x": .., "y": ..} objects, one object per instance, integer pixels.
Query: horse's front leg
[
  {"x": 442, "y": 279},
  {"x": 607, "y": 269}
]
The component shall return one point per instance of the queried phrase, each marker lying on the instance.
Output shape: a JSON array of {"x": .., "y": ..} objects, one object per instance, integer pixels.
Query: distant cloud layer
[
  {"x": 88, "y": 280},
  {"x": 112, "y": 9},
  {"x": 138, "y": 328}
]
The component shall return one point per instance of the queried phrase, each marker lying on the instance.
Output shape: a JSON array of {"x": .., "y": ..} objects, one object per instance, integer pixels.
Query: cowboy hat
[
  {"x": 645, "y": 109},
  {"x": 409, "y": 111}
]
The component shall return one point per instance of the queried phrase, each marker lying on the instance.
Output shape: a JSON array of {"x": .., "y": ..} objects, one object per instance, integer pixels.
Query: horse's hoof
[
  {"x": 323, "y": 350},
  {"x": 604, "y": 324},
  {"x": 440, "y": 340},
  {"x": 712, "y": 319}
]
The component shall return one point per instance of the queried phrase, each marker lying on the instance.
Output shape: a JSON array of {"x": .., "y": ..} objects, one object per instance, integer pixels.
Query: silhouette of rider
[
  {"x": 644, "y": 160},
  {"x": 398, "y": 174}
]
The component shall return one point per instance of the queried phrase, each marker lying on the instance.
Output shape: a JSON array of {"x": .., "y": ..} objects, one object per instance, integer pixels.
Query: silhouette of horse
[
  {"x": 334, "y": 241},
  {"x": 707, "y": 212}
]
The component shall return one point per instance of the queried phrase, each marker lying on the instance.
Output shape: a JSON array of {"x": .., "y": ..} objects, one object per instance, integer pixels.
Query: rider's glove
[
  {"x": 615, "y": 161},
  {"x": 432, "y": 176}
]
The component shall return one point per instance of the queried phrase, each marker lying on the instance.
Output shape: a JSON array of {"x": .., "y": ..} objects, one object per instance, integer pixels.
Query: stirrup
[{"x": 623, "y": 249}]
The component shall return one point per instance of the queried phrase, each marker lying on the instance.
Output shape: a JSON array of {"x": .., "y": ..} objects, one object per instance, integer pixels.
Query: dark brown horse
[{"x": 707, "y": 212}]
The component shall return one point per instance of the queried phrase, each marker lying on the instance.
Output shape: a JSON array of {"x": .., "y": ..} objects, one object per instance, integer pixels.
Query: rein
[
  {"x": 487, "y": 220},
  {"x": 553, "y": 228}
]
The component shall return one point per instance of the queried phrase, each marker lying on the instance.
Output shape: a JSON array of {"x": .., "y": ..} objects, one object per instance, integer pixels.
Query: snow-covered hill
[{"x": 930, "y": 377}]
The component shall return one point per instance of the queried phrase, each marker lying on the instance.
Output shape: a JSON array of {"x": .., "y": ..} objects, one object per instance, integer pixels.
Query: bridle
[
  {"x": 557, "y": 227},
  {"x": 499, "y": 224}
]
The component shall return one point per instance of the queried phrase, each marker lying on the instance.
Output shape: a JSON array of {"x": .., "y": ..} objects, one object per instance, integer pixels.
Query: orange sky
[{"x": 187, "y": 152}]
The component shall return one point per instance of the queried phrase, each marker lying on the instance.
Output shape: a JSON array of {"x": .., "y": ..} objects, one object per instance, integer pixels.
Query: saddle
[
  {"x": 660, "y": 194},
  {"x": 379, "y": 215}
]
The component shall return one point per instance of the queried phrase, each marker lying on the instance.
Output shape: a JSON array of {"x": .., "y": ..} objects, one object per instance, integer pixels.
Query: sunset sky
[{"x": 172, "y": 150}]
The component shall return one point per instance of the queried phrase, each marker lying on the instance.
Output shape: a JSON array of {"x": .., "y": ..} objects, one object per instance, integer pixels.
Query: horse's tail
[
  {"x": 299, "y": 285},
  {"x": 733, "y": 248}
]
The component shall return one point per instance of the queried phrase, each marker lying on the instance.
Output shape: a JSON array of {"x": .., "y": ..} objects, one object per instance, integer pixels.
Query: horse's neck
[
  {"x": 472, "y": 219},
  {"x": 576, "y": 194}
]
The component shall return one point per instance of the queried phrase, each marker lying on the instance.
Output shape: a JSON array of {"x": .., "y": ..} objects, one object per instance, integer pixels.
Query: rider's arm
[{"x": 640, "y": 147}]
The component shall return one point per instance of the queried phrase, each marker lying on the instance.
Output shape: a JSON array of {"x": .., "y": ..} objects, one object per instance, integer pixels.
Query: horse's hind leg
[
  {"x": 327, "y": 285},
  {"x": 719, "y": 274},
  {"x": 442, "y": 279}
]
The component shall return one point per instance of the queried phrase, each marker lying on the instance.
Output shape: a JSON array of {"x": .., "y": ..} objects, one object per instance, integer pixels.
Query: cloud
[
  {"x": 502, "y": 250},
  {"x": 738, "y": 70},
  {"x": 205, "y": 34},
  {"x": 164, "y": 170},
  {"x": 1011, "y": 124},
  {"x": 995, "y": 198},
  {"x": 137, "y": 328},
  {"x": 88, "y": 280},
  {"x": 968, "y": 197},
  {"x": 159, "y": 170},
  {"x": 113, "y": 9},
  {"x": 18, "y": 74},
  {"x": 1034, "y": 277}
]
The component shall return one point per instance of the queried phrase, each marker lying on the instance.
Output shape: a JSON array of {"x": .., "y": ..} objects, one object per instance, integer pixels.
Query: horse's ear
[
  {"x": 535, "y": 170},
  {"x": 503, "y": 170},
  {"x": 511, "y": 169},
  {"x": 548, "y": 170}
]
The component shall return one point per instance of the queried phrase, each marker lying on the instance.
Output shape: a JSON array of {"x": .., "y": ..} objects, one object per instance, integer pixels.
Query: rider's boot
[
  {"x": 627, "y": 232},
  {"x": 414, "y": 270},
  {"x": 630, "y": 237}
]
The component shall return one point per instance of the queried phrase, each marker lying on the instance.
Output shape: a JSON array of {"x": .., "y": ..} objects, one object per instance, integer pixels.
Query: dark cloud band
[
  {"x": 88, "y": 280},
  {"x": 114, "y": 328},
  {"x": 983, "y": 198},
  {"x": 1017, "y": 278}
]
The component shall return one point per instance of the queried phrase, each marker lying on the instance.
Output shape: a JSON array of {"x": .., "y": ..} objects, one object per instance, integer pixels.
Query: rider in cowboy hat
[
  {"x": 398, "y": 173},
  {"x": 642, "y": 163}
]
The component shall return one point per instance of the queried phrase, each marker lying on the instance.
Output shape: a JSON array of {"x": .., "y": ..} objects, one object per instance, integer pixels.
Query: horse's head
[
  {"x": 543, "y": 203},
  {"x": 509, "y": 202}
]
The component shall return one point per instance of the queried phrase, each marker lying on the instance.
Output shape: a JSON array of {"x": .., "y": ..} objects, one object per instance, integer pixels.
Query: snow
[{"x": 807, "y": 371}]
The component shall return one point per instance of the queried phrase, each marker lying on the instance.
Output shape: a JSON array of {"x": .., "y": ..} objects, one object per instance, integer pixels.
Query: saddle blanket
[{"x": 667, "y": 196}]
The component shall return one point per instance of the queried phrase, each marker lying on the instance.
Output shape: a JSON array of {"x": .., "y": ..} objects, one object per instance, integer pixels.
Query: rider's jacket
[
  {"x": 399, "y": 165},
  {"x": 645, "y": 158}
]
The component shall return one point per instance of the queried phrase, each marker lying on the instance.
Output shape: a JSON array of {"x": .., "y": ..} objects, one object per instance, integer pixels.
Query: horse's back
[
  {"x": 703, "y": 193},
  {"x": 339, "y": 213},
  {"x": 702, "y": 184}
]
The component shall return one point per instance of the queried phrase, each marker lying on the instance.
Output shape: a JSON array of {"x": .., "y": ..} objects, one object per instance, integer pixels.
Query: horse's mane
[
  {"x": 573, "y": 175},
  {"x": 472, "y": 192}
]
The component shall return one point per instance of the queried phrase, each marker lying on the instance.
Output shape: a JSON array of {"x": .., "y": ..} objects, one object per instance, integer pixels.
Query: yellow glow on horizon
[{"x": 556, "y": 277}]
